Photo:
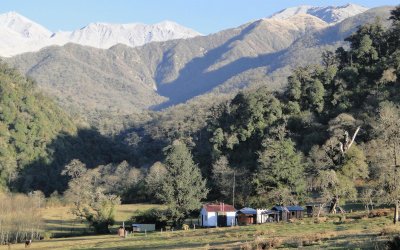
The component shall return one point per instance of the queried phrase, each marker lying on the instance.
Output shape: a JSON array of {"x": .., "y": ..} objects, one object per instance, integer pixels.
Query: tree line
[{"x": 333, "y": 132}]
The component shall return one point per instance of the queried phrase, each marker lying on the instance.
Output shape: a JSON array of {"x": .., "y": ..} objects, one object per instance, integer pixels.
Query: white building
[{"x": 217, "y": 215}]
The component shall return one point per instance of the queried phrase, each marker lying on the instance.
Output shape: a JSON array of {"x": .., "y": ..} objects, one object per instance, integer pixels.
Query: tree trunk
[
  {"x": 396, "y": 212},
  {"x": 334, "y": 203}
]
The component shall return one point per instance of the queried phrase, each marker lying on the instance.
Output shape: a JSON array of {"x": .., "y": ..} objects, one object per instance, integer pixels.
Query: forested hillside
[
  {"x": 332, "y": 133},
  {"x": 334, "y": 129},
  {"x": 29, "y": 121},
  {"x": 37, "y": 138},
  {"x": 101, "y": 84}
]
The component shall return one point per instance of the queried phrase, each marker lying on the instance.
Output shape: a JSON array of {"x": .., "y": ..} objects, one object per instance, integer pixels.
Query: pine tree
[
  {"x": 280, "y": 167},
  {"x": 184, "y": 187}
]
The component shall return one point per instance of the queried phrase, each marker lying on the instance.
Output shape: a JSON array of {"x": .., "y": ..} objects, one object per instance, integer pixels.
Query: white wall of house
[
  {"x": 231, "y": 217},
  {"x": 212, "y": 219},
  {"x": 261, "y": 218},
  {"x": 209, "y": 219}
]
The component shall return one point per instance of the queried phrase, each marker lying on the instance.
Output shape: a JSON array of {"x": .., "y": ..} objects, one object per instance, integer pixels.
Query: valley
[{"x": 287, "y": 125}]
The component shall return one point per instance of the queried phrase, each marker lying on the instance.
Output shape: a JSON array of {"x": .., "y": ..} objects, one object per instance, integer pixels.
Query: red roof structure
[{"x": 221, "y": 207}]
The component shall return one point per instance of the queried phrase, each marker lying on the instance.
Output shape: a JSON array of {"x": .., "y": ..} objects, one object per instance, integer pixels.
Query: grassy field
[
  {"x": 60, "y": 222},
  {"x": 352, "y": 232}
]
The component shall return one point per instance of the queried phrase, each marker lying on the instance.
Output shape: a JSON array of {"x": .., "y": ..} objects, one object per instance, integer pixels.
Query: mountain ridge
[
  {"x": 330, "y": 14},
  {"x": 20, "y": 34},
  {"x": 124, "y": 80}
]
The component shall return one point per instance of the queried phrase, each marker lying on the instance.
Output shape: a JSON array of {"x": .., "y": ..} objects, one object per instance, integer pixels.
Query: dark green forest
[{"x": 333, "y": 133}]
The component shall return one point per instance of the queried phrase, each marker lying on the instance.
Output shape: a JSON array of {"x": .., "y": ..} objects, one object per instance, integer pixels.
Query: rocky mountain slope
[
  {"x": 330, "y": 14},
  {"x": 19, "y": 34},
  {"x": 125, "y": 79},
  {"x": 122, "y": 80}
]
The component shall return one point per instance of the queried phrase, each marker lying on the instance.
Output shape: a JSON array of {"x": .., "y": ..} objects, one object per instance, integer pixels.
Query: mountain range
[
  {"x": 125, "y": 79},
  {"x": 330, "y": 14},
  {"x": 20, "y": 34}
]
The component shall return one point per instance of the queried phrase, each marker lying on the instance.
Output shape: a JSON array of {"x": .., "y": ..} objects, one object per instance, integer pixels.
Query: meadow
[{"x": 353, "y": 231}]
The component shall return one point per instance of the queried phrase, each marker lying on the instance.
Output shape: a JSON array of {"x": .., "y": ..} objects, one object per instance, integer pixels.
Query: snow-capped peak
[
  {"x": 23, "y": 26},
  {"x": 330, "y": 14},
  {"x": 106, "y": 35},
  {"x": 19, "y": 34}
]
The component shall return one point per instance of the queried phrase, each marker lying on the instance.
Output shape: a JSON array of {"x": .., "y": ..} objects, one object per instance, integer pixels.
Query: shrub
[
  {"x": 378, "y": 213},
  {"x": 159, "y": 217},
  {"x": 389, "y": 230},
  {"x": 394, "y": 243}
]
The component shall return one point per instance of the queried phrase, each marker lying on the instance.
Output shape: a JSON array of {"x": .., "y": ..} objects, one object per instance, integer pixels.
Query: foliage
[
  {"x": 156, "y": 216},
  {"x": 88, "y": 197},
  {"x": 155, "y": 179},
  {"x": 389, "y": 128},
  {"x": 29, "y": 122},
  {"x": 281, "y": 169},
  {"x": 184, "y": 187}
]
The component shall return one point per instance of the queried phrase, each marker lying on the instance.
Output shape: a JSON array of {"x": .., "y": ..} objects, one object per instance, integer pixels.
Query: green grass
[
  {"x": 352, "y": 233},
  {"x": 60, "y": 222}
]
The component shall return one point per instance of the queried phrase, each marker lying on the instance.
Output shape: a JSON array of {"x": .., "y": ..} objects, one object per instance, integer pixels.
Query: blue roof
[
  {"x": 248, "y": 210},
  {"x": 290, "y": 208}
]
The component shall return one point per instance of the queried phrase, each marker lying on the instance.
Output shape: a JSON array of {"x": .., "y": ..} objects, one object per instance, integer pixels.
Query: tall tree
[
  {"x": 155, "y": 179},
  {"x": 280, "y": 167},
  {"x": 223, "y": 178},
  {"x": 389, "y": 128},
  {"x": 184, "y": 187},
  {"x": 88, "y": 197},
  {"x": 338, "y": 162}
]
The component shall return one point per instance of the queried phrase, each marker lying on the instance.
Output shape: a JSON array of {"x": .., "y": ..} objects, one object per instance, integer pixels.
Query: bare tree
[
  {"x": 20, "y": 218},
  {"x": 388, "y": 128}
]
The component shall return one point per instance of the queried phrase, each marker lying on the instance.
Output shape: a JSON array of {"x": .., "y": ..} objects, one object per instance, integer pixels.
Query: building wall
[
  {"x": 231, "y": 218},
  {"x": 210, "y": 218},
  {"x": 261, "y": 218}
]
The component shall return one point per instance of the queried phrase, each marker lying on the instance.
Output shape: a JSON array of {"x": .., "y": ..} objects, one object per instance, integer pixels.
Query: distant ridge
[
  {"x": 122, "y": 79},
  {"x": 330, "y": 14},
  {"x": 19, "y": 34}
]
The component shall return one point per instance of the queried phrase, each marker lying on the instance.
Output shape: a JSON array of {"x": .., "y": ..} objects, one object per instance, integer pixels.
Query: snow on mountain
[
  {"x": 18, "y": 34},
  {"x": 330, "y": 14},
  {"x": 23, "y": 26},
  {"x": 104, "y": 35}
]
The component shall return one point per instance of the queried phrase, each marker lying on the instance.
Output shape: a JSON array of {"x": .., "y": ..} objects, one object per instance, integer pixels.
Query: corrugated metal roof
[
  {"x": 295, "y": 208},
  {"x": 247, "y": 210},
  {"x": 221, "y": 207},
  {"x": 289, "y": 208},
  {"x": 269, "y": 212}
]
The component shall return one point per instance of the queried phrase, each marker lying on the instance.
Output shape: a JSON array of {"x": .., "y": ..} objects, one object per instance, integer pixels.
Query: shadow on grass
[
  {"x": 357, "y": 241},
  {"x": 80, "y": 238},
  {"x": 176, "y": 245}
]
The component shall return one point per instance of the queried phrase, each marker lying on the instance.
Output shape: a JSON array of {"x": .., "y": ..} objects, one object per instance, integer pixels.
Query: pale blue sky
[{"x": 205, "y": 16}]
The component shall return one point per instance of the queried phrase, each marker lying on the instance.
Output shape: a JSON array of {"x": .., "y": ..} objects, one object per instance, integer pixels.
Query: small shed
[
  {"x": 266, "y": 215},
  {"x": 289, "y": 212},
  {"x": 217, "y": 215},
  {"x": 143, "y": 227},
  {"x": 246, "y": 216}
]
